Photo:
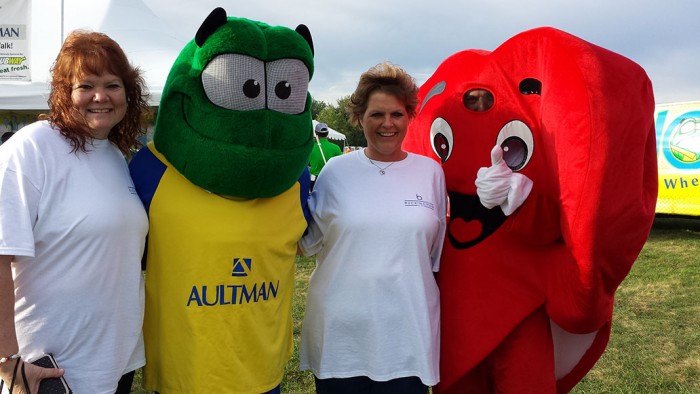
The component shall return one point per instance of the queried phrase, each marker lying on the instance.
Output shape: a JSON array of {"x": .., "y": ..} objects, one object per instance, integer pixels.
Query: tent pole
[
  {"x": 63, "y": 33},
  {"x": 318, "y": 142}
]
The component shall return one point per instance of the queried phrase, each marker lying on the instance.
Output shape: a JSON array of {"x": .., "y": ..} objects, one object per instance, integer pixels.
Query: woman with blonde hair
[{"x": 372, "y": 314}]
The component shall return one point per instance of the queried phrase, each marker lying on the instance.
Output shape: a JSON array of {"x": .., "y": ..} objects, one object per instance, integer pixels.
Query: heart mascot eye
[
  {"x": 441, "y": 137},
  {"x": 518, "y": 144}
]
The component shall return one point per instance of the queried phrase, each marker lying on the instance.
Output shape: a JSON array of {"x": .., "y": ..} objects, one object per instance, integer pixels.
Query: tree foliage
[
  {"x": 336, "y": 118},
  {"x": 317, "y": 107}
]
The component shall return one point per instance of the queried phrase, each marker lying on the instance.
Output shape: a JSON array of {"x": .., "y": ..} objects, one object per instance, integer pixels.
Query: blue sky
[{"x": 351, "y": 36}]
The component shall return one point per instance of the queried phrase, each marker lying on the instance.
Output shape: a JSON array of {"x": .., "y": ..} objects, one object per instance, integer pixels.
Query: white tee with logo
[{"x": 373, "y": 305}]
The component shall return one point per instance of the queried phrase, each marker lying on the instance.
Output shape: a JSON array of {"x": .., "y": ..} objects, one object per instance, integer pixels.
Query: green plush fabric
[{"x": 248, "y": 153}]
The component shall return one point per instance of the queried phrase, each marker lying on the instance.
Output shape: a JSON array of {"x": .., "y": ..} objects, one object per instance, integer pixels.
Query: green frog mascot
[{"x": 225, "y": 184}]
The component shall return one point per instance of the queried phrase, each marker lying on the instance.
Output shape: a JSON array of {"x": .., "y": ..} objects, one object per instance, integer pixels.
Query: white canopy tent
[
  {"x": 332, "y": 134},
  {"x": 143, "y": 36},
  {"x": 148, "y": 41}
]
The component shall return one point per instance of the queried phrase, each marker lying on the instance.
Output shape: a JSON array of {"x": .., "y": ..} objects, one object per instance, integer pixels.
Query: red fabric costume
[{"x": 527, "y": 299}]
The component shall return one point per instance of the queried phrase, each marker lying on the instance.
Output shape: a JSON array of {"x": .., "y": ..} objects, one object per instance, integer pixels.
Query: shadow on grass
[{"x": 670, "y": 222}]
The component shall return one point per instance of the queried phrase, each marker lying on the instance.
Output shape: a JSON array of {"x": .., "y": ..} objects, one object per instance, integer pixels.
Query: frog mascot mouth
[{"x": 235, "y": 118}]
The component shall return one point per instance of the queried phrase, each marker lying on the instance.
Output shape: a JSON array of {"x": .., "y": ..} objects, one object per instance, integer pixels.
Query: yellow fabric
[{"x": 219, "y": 288}]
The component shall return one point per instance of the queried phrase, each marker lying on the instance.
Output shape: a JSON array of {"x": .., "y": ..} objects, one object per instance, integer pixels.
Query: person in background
[
  {"x": 322, "y": 151},
  {"x": 379, "y": 215},
  {"x": 72, "y": 229},
  {"x": 6, "y": 136}
]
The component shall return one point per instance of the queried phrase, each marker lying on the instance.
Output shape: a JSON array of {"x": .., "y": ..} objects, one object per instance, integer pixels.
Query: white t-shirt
[
  {"x": 77, "y": 228},
  {"x": 373, "y": 305}
]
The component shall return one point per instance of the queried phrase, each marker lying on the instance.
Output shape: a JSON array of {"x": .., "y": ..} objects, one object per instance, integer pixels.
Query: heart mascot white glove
[{"x": 498, "y": 185}]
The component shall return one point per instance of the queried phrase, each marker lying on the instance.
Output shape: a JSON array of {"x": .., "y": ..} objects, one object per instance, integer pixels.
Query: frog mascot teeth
[{"x": 225, "y": 184}]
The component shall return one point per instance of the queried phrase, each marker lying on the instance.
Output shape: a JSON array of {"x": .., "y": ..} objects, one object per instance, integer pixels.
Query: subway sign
[{"x": 678, "y": 154}]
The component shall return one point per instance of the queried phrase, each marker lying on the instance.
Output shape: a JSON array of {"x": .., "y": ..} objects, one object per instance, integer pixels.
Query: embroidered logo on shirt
[{"x": 418, "y": 202}]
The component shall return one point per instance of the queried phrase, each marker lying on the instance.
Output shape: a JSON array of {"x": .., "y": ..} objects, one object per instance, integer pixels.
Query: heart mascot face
[{"x": 516, "y": 290}]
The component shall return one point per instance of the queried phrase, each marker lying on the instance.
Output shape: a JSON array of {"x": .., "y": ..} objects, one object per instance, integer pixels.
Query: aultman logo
[
  {"x": 241, "y": 266},
  {"x": 233, "y": 293},
  {"x": 11, "y": 32}
]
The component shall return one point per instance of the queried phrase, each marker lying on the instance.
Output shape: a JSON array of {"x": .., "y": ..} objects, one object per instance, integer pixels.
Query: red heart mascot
[{"x": 527, "y": 286}]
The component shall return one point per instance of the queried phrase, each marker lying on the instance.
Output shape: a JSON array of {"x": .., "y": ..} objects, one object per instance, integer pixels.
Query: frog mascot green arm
[{"x": 225, "y": 184}]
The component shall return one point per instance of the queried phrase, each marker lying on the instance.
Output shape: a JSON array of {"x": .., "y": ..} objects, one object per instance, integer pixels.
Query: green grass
[
  {"x": 655, "y": 341},
  {"x": 295, "y": 381}
]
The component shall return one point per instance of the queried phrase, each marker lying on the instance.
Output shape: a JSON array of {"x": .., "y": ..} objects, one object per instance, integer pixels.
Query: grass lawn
[{"x": 655, "y": 341}]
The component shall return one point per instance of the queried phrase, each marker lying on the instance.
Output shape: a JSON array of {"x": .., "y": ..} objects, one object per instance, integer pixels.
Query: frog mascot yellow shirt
[{"x": 225, "y": 185}]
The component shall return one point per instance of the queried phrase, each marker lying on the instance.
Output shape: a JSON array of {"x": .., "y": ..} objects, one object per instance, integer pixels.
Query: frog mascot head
[{"x": 235, "y": 115}]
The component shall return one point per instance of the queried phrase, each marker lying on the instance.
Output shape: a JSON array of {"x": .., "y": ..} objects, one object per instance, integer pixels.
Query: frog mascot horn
[{"x": 225, "y": 184}]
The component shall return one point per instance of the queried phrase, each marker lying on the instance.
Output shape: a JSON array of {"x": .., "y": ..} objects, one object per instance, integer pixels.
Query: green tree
[
  {"x": 317, "y": 107},
  {"x": 336, "y": 117}
]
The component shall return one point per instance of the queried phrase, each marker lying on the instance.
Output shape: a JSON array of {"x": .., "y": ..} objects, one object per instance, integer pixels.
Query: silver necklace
[{"x": 382, "y": 171}]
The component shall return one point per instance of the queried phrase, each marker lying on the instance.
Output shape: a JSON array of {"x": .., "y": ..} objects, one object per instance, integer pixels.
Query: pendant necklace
[{"x": 382, "y": 171}]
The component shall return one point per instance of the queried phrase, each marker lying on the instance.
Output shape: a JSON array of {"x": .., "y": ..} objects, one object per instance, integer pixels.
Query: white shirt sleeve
[{"x": 19, "y": 204}]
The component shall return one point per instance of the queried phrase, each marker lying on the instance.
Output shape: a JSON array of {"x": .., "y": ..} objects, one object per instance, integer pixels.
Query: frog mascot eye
[{"x": 235, "y": 116}]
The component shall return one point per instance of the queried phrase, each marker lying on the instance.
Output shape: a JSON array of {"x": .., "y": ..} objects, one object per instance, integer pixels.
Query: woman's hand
[{"x": 33, "y": 375}]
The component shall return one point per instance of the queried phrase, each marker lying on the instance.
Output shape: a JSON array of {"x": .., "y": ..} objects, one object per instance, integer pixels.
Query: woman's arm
[{"x": 8, "y": 338}]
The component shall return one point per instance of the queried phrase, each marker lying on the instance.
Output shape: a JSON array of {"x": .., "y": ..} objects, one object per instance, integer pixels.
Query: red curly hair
[{"x": 90, "y": 53}]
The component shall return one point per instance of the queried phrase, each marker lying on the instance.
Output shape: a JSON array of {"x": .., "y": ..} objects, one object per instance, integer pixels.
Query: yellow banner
[{"x": 678, "y": 152}]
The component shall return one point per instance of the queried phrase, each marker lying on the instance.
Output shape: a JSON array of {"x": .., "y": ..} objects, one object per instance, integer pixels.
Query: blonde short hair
[{"x": 386, "y": 78}]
